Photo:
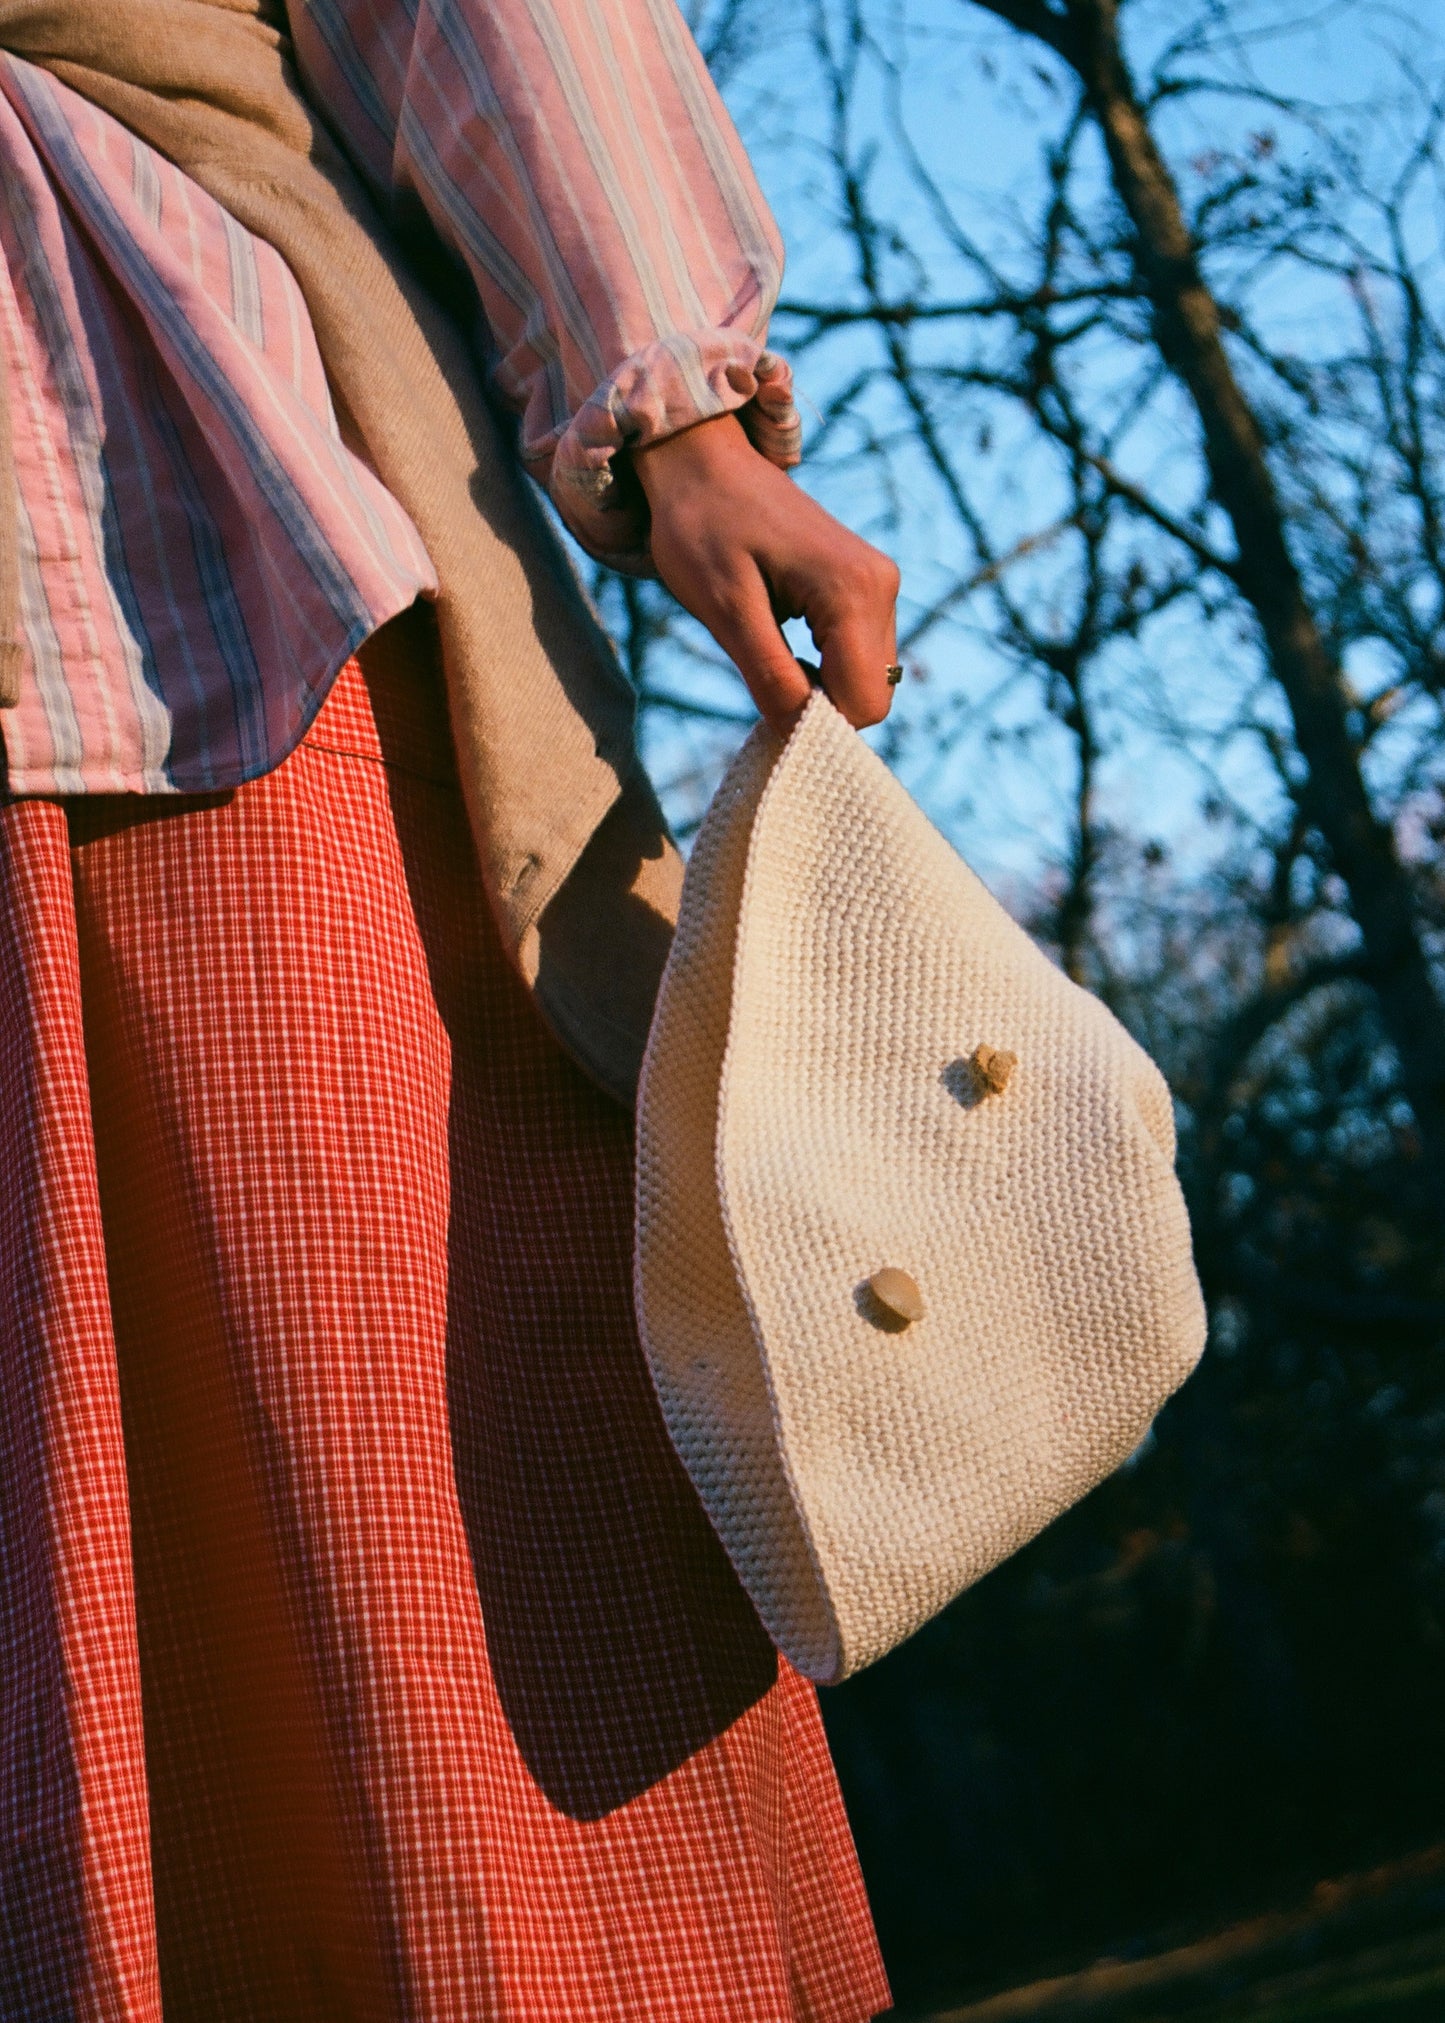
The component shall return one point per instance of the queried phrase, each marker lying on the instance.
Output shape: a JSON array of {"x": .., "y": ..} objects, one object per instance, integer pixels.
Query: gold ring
[{"x": 894, "y": 673}]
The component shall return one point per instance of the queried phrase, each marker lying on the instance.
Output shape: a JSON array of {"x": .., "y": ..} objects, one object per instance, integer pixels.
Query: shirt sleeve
[{"x": 576, "y": 156}]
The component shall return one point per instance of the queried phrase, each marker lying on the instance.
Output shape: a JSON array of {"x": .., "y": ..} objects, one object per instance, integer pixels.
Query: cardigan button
[{"x": 898, "y": 1292}]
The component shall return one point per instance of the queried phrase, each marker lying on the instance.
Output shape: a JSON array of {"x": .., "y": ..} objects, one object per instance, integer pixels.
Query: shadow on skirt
[{"x": 364, "y": 1652}]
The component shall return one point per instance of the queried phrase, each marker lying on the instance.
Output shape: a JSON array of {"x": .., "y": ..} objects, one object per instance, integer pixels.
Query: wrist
[{"x": 703, "y": 454}]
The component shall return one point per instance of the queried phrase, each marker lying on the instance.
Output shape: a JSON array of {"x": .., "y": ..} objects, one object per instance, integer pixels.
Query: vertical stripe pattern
[
  {"x": 576, "y": 155},
  {"x": 190, "y": 514}
]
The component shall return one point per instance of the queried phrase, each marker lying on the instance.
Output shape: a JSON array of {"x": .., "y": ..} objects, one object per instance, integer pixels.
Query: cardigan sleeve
[{"x": 576, "y": 156}]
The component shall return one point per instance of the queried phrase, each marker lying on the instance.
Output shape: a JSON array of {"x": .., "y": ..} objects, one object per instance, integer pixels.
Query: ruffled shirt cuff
[{"x": 667, "y": 386}]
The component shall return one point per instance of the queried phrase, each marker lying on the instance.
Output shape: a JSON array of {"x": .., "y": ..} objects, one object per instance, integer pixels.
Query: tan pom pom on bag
[{"x": 913, "y": 1267}]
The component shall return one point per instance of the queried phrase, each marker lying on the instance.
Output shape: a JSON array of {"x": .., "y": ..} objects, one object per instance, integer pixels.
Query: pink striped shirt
[{"x": 199, "y": 550}]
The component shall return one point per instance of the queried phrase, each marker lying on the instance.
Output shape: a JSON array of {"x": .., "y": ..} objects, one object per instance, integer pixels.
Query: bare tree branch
[
  {"x": 1046, "y": 23},
  {"x": 1189, "y": 334}
]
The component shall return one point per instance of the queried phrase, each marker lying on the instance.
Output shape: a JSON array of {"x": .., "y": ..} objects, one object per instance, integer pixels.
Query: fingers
[
  {"x": 748, "y": 633},
  {"x": 739, "y": 546},
  {"x": 856, "y": 633}
]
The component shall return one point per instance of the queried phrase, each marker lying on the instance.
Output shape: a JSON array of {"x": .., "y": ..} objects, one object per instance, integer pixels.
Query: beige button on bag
[{"x": 913, "y": 1267}]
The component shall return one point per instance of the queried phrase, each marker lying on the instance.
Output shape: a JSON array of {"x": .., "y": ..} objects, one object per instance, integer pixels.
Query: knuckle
[
  {"x": 728, "y": 607},
  {"x": 873, "y": 573}
]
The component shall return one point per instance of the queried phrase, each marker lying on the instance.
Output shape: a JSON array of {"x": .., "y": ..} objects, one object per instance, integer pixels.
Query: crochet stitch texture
[{"x": 811, "y": 1111}]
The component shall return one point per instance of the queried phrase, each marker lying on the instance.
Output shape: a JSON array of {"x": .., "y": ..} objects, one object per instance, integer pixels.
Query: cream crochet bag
[{"x": 828, "y": 1113}]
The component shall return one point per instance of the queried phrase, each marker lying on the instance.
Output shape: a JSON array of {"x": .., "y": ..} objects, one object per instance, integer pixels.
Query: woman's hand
[{"x": 740, "y": 546}]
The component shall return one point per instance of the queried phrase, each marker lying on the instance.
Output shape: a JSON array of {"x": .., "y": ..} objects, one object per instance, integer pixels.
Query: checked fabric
[{"x": 364, "y": 1651}]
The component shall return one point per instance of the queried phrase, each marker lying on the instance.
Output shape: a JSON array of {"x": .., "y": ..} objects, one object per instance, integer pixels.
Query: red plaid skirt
[{"x": 364, "y": 1652}]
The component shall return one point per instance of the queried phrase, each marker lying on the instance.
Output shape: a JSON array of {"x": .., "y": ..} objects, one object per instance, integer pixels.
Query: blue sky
[{"x": 971, "y": 738}]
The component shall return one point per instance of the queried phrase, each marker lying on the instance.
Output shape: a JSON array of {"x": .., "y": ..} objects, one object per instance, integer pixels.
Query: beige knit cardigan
[{"x": 574, "y": 853}]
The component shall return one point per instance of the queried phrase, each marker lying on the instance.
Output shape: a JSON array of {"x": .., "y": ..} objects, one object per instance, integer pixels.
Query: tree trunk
[{"x": 1187, "y": 329}]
